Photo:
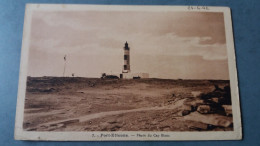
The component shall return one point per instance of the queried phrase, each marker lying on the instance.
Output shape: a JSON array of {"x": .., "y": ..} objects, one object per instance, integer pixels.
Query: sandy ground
[{"x": 89, "y": 104}]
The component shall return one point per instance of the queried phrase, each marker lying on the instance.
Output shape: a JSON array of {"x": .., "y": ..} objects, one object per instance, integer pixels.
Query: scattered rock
[
  {"x": 210, "y": 127},
  {"x": 212, "y": 108},
  {"x": 185, "y": 112},
  {"x": 212, "y": 119},
  {"x": 195, "y": 128},
  {"x": 215, "y": 99},
  {"x": 193, "y": 108},
  {"x": 223, "y": 123},
  {"x": 194, "y": 102},
  {"x": 115, "y": 128},
  {"x": 199, "y": 127},
  {"x": 228, "y": 109},
  {"x": 196, "y": 93},
  {"x": 218, "y": 93},
  {"x": 217, "y": 88},
  {"x": 204, "y": 109}
]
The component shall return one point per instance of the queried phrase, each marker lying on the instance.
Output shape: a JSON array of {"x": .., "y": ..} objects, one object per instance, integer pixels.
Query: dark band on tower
[{"x": 126, "y": 67}]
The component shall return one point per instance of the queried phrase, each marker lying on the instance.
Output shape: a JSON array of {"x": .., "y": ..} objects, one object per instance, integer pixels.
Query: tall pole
[{"x": 64, "y": 69}]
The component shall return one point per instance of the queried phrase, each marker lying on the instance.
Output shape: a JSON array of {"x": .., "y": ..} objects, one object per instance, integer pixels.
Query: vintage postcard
[{"x": 105, "y": 73}]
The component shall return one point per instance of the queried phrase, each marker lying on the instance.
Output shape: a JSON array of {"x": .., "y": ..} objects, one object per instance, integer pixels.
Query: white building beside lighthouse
[{"x": 126, "y": 72}]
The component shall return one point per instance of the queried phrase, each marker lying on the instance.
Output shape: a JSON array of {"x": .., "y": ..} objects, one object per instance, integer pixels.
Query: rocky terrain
[{"x": 92, "y": 104}]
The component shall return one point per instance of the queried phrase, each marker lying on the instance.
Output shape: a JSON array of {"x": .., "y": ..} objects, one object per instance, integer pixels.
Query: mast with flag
[{"x": 65, "y": 58}]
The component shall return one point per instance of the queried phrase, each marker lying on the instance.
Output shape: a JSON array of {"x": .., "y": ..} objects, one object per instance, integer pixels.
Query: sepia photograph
[{"x": 93, "y": 72}]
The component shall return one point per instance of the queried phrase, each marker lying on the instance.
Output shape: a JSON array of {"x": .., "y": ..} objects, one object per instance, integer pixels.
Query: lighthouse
[
  {"x": 126, "y": 67},
  {"x": 126, "y": 72}
]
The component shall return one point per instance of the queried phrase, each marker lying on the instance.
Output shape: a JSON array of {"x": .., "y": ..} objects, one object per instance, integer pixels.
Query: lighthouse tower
[
  {"x": 126, "y": 72},
  {"x": 126, "y": 67}
]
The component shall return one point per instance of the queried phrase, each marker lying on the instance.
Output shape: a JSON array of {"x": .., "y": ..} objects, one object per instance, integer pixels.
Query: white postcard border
[{"x": 20, "y": 134}]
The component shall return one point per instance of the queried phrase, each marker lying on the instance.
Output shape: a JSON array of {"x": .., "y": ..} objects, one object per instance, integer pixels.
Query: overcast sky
[{"x": 187, "y": 45}]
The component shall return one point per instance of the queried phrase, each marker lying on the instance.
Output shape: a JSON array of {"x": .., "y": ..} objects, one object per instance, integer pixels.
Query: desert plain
[{"x": 94, "y": 104}]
